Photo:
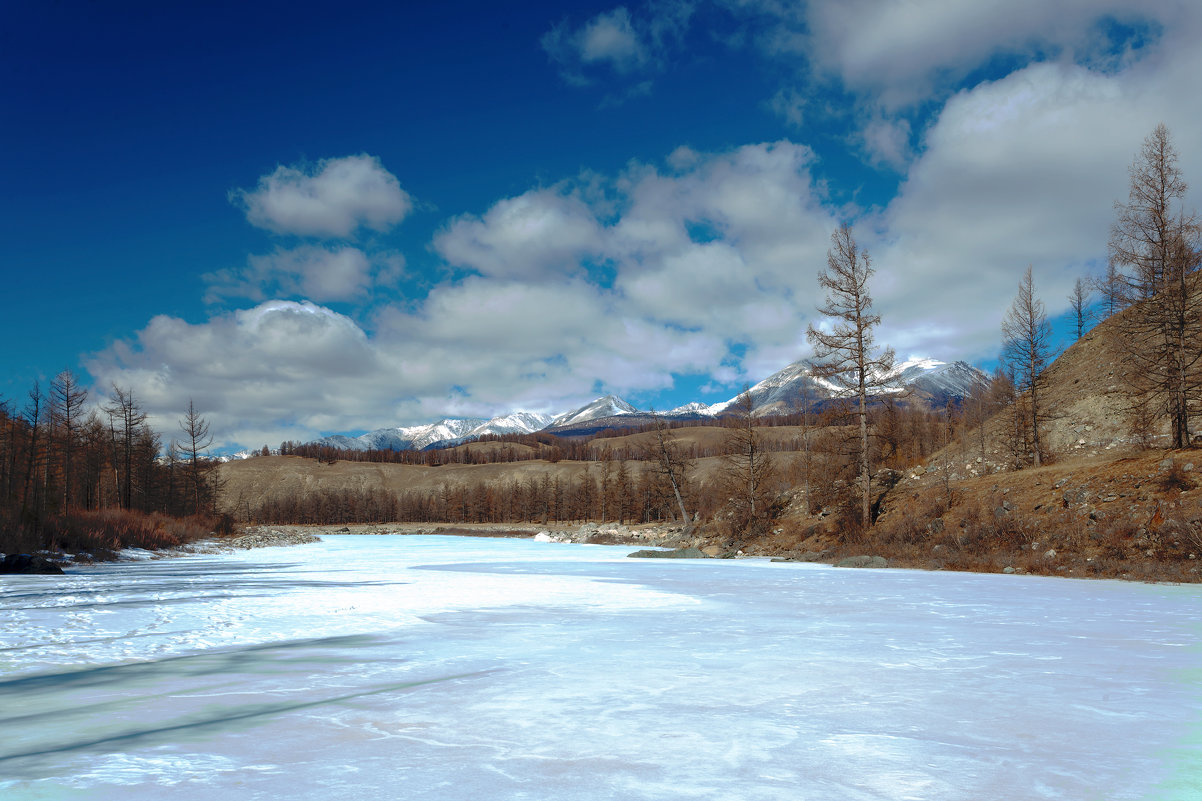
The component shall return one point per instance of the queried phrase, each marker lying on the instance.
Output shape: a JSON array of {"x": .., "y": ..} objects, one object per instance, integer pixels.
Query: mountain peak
[{"x": 605, "y": 406}]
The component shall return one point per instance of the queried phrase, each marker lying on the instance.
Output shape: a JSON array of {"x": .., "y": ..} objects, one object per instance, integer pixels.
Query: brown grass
[
  {"x": 1133, "y": 516},
  {"x": 100, "y": 534}
]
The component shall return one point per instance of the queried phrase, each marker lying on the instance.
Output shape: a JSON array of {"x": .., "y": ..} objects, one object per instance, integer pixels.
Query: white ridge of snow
[
  {"x": 515, "y": 423},
  {"x": 605, "y": 406},
  {"x": 691, "y": 408}
]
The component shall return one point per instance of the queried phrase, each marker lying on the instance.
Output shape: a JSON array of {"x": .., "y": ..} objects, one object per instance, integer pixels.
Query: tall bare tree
[
  {"x": 34, "y": 414},
  {"x": 197, "y": 440},
  {"x": 673, "y": 464},
  {"x": 1078, "y": 301},
  {"x": 847, "y": 353},
  {"x": 1154, "y": 255},
  {"x": 1027, "y": 348},
  {"x": 126, "y": 419},
  {"x": 67, "y": 399},
  {"x": 746, "y": 480}
]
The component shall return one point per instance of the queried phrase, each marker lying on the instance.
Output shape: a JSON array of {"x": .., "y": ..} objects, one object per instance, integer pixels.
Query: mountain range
[{"x": 789, "y": 390}]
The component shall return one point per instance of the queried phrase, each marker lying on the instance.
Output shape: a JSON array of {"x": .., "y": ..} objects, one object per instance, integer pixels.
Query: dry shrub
[
  {"x": 914, "y": 521},
  {"x": 103, "y": 532},
  {"x": 1175, "y": 479},
  {"x": 1116, "y": 536},
  {"x": 1180, "y": 537},
  {"x": 989, "y": 526}
]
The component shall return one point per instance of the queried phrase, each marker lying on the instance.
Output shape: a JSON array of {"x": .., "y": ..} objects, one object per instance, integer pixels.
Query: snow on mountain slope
[
  {"x": 940, "y": 379},
  {"x": 446, "y": 430},
  {"x": 785, "y": 391},
  {"x": 690, "y": 409},
  {"x": 606, "y": 406},
  {"x": 516, "y": 423}
]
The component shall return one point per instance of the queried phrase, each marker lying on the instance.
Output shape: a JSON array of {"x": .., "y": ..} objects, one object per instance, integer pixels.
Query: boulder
[
  {"x": 678, "y": 553},
  {"x": 863, "y": 561},
  {"x": 25, "y": 564}
]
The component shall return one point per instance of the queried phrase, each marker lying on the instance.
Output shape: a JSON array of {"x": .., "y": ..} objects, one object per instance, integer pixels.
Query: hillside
[{"x": 1108, "y": 502}]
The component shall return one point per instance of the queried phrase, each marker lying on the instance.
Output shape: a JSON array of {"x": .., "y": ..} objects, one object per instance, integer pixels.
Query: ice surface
[{"x": 449, "y": 668}]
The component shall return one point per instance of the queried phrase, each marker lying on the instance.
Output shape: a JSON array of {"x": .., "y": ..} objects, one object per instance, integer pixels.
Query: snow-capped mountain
[
  {"x": 607, "y": 406},
  {"x": 516, "y": 423},
  {"x": 790, "y": 389},
  {"x": 786, "y": 391},
  {"x": 693, "y": 408},
  {"x": 940, "y": 380},
  {"x": 448, "y": 430}
]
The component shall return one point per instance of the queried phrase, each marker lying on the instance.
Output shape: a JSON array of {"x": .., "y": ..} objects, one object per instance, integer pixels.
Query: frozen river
[{"x": 452, "y": 668}]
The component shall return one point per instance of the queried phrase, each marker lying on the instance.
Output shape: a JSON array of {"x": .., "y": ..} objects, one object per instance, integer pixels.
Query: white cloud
[
  {"x": 290, "y": 368},
  {"x": 539, "y": 233},
  {"x": 609, "y": 37},
  {"x": 1024, "y": 170},
  {"x": 886, "y": 141},
  {"x": 333, "y": 199},
  {"x": 790, "y": 105},
  {"x": 322, "y": 274},
  {"x": 901, "y": 50}
]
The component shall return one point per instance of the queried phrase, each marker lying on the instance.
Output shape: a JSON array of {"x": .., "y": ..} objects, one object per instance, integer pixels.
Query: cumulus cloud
[
  {"x": 539, "y": 233},
  {"x": 322, "y": 274},
  {"x": 293, "y": 369},
  {"x": 890, "y": 62},
  {"x": 1023, "y": 170},
  {"x": 608, "y": 38},
  {"x": 720, "y": 250},
  {"x": 902, "y": 51},
  {"x": 331, "y": 199}
]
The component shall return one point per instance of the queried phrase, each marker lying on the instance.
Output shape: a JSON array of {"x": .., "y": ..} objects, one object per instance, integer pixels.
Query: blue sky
[{"x": 331, "y": 218}]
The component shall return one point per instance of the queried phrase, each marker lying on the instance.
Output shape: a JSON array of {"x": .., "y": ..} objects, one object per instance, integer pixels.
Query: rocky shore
[{"x": 256, "y": 537}]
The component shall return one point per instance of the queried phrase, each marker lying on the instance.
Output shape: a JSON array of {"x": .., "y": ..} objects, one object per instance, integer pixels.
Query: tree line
[
  {"x": 64, "y": 460},
  {"x": 655, "y": 479}
]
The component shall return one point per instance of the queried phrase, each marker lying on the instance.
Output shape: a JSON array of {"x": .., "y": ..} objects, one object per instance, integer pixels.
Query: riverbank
[{"x": 666, "y": 535}]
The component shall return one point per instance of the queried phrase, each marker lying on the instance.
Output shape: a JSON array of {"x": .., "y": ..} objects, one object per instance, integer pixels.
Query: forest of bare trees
[{"x": 91, "y": 476}]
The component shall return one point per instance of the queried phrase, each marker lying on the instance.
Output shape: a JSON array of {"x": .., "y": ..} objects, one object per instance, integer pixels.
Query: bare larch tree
[
  {"x": 673, "y": 464},
  {"x": 847, "y": 353},
  {"x": 197, "y": 440},
  {"x": 1154, "y": 255},
  {"x": 126, "y": 420},
  {"x": 1078, "y": 301},
  {"x": 748, "y": 472},
  {"x": 1027, "y": 349},
  {"x": 67, "y": 400}
]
